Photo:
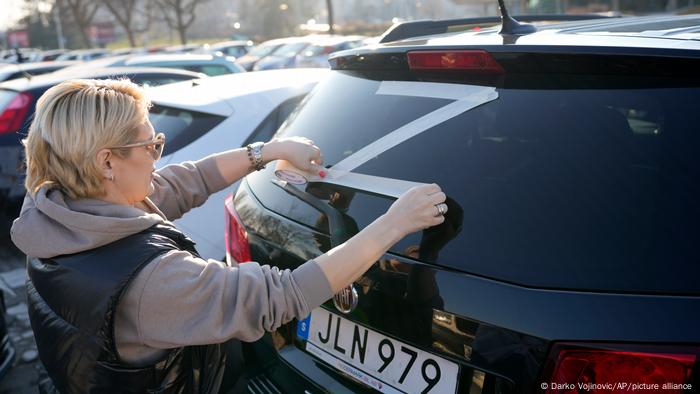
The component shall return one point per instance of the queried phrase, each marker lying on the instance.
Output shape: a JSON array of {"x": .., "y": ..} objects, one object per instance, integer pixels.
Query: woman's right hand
[
  {"x": 417, "y": 209},
  {"x": 414, "y": 210}
]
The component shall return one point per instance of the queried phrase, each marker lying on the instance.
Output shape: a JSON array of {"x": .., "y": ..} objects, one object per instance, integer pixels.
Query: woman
[{"x": 118, "y": 298}]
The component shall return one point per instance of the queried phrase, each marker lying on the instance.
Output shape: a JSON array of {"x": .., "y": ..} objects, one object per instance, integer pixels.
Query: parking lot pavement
[{"x": 27, "y": 371}]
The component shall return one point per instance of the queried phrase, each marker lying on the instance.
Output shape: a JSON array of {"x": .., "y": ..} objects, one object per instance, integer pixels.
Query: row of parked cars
[
  {"x": 568, "y": 150},
  {"x": 217, "y": 59},
  {"x": 30, "y": 55},
  {"x": 304, "y": 47},
  {"x": 307, "y": 51}
]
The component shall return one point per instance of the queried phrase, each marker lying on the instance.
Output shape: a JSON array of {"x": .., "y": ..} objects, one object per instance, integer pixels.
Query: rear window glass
[
  {"x": 6, "y": 97},
  {"x": 97, "y": 55},
  {"x": 211, "y": 70},
  {"x": 16, "y": 75},
  {"x": 235, "y": 51},
  {"x": 585, "y": 189},
  {"x": 40, "y": 71},
  {"x": 180, "y": 126},
  {"x": 290, "y": 49},
  {"x": 263, "y": 50},
  {"x": 314, "y": 50},
  {"x": 157, "y": 80}
]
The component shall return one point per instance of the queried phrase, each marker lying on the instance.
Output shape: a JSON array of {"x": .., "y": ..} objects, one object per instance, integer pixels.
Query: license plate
[{"x": 381, "y": 362}]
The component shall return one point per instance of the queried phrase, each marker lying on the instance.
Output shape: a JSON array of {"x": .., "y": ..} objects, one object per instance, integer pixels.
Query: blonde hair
[{"x": 72, "y": 122}]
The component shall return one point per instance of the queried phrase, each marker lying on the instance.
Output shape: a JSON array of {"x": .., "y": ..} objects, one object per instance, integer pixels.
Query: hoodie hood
[{"x": 51, "y": 224}]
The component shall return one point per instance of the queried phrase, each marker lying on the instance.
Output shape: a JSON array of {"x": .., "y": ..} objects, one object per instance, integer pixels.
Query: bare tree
[
  {"x": 616, "y": 5},
  {"x": 147, "y": 19},
  {"x": 83, "y": 11},
  {"x": 123, "y": 11},
  {"x": 179, "y": 14},
  {"x": 329, "y": 5}
]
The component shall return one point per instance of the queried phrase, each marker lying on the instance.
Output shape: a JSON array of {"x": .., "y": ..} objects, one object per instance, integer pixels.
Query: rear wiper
[{"x": 339, "y": 231}]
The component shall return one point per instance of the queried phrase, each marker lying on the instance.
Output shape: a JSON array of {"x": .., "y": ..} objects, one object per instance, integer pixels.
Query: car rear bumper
[{"x": 295, "y": 371}]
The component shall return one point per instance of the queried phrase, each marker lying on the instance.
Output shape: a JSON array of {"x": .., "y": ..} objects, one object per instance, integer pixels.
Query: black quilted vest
[{"x": 72, "y": 301}]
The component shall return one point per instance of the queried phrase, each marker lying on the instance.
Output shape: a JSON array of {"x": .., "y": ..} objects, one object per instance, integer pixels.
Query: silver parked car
[
  {"x": 283, "y": 57},
  {"x": 316, "y": 54},
  {"x": 227, "y": 48},
  {"x": 269, "y": 48}
]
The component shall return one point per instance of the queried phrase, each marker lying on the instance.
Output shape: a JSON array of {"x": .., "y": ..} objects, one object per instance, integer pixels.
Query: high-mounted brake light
[
  {"x": 13, "y": 115},
  {"x": 597, "y": 369},
  {"x": 476, "y": 61},
  {"x": 237, "y": 247}
]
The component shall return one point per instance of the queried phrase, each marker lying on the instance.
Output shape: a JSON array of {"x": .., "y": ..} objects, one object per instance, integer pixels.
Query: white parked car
[{"x": 220, "y": 113}]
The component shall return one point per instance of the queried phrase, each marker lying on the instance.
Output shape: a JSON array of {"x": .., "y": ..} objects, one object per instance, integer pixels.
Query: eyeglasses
[{"x": 155, "y": 145}]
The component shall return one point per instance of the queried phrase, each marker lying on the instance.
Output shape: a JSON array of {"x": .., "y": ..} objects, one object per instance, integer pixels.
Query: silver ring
[{"x": 442, "y": 209}]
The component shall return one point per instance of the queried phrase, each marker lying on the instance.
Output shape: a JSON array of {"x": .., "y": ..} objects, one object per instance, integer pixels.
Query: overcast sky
[{"x": 11, "y": 11}]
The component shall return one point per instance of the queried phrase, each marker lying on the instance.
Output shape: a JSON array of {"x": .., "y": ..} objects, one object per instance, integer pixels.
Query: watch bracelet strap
[{"x": 255, "y": 163}]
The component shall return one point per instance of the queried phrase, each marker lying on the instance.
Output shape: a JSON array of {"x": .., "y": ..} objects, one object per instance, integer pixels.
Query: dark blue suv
[{"x": 569, "y": 261}]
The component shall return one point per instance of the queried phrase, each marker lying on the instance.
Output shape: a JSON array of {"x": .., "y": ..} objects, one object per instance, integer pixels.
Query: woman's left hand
[{"x": 299, "y": 151}]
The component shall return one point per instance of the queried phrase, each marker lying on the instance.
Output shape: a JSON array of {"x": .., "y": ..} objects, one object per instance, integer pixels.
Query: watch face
[{"x": 256, "y": 150}]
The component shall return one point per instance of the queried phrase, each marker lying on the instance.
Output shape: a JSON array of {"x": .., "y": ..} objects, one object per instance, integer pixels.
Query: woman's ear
[{"x": 103, "y": 158}]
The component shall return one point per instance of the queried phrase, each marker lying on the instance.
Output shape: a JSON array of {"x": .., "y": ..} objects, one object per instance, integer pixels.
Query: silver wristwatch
[{"x": 255, "y": 155}]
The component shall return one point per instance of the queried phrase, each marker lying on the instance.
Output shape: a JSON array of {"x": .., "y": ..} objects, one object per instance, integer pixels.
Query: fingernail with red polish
[{"x": 322, "y": 174}]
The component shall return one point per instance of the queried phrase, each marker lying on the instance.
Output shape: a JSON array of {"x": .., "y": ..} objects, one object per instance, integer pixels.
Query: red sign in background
[{"x": 18, "y": 39}]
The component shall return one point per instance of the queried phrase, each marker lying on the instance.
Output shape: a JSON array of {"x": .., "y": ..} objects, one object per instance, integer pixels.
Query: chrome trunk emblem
[{"x": 346, "y": 299}]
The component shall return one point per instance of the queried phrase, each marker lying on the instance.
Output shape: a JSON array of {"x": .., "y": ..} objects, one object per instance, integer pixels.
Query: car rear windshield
[
  {"x": 590, "y": 189},
  {"x": 263, "y": 50},
  {"x": 292, "y": 49},
  {"x": 181, "y": 126}
]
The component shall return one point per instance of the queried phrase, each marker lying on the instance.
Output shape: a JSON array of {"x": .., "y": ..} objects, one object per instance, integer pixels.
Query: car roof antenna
[{"x": 512, "y": 27}]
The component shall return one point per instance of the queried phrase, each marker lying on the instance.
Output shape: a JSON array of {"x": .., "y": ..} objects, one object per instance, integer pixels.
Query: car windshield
[{"x": 564, "y": 188}]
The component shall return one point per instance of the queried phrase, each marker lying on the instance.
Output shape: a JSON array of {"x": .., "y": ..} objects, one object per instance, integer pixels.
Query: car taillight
[
  {"x": 595, "y": 369},
  {"x": 12, "y": 117},
  {"x": 475, "y": 61},
  {"x": 237, "y": 247},
  {"x": 328, "y": 50}
]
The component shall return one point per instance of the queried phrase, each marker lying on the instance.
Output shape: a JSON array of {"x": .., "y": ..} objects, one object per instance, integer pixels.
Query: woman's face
[{"x": 133, "y": 174}]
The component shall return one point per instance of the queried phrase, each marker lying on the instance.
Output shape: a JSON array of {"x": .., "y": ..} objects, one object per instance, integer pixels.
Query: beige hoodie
[{"x": 177, "y": 299}]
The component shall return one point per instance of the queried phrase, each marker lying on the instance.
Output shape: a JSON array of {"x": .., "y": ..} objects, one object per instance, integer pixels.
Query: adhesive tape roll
[{"x": 285, "y": 171}]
